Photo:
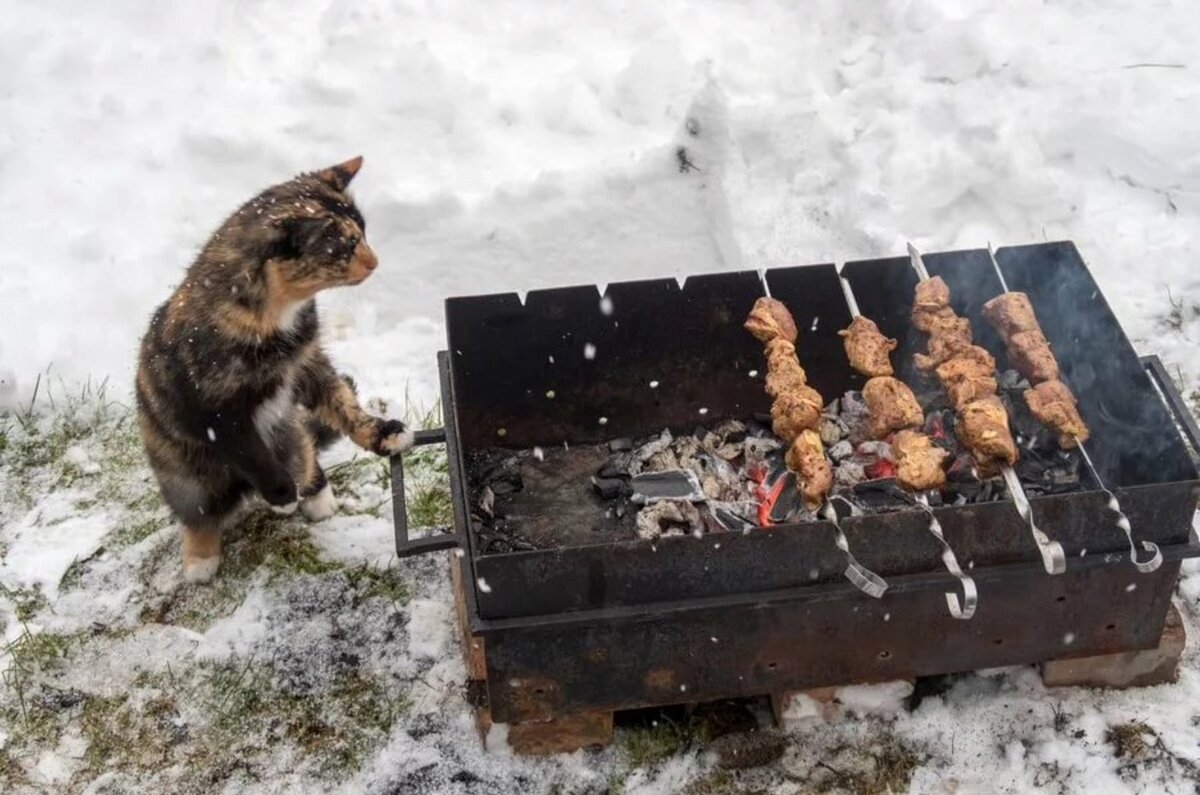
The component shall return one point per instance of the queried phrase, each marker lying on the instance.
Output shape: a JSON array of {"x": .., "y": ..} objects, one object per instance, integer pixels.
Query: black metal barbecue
[{"x": 602, "y": 622}]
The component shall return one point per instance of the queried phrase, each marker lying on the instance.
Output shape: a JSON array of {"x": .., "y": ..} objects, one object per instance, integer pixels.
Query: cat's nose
[{"x": 366, "y": 257}]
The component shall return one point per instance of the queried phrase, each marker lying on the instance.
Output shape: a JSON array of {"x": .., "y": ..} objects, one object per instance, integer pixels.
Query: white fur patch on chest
[
  {"x": 289, "y": 315},
  {"x": 274, "y": 410}
]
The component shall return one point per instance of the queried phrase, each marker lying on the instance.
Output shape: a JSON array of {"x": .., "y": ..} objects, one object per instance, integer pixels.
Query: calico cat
[{"x": 234, "y": 393}]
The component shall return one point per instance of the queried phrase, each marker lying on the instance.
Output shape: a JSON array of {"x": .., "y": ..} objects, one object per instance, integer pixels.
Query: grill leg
[
  {"x": 1129, "y": 669},
  {"x": 561, "y": 734}
]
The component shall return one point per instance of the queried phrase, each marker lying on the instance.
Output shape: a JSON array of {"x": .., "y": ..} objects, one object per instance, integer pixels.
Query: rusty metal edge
[{"x": 824, "y": 592}]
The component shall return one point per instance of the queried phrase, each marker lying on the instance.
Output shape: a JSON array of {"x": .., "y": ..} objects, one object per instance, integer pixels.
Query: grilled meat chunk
[
  {"x": 920, "y": 464},
  {"x": 892, "y": 406},
  {"x": 1029, "y": 353},
  {"x": 1055, "y": 407},
  {"x": 982, "y": 427},
  {"x": 1011, "y": 313},
  {"x": 868, "y": 350},
  {"x": 796, "y": 410},
  {"x": 968, "y": 376},
  {"x": 806, "y": 457},
  {"x": 771, "y": 320},
  {"x": 948, "y": 335},
  {"x": 931, "y": 301}
]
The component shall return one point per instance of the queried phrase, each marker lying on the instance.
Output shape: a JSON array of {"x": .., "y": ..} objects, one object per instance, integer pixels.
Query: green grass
[
  {"x": 879, "y": 766},
  {"x": 30, "y": 655},
  {"x": 1181, "y": 314},
  {"x": 337, "y": 728},
  {"x": 645, "y": 747}
]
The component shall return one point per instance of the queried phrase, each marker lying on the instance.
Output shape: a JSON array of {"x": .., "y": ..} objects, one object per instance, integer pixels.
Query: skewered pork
[
  {"x": 948, "y": 335},
  {"x": 806, "y": 457},
  {"x": 1011, "y": 313},
  {"x": 920, "y": 464},
  {"x": 796, "y": 409},
  {"x": 983, "y": 428},
  {"x": 769, "y": 319},
  {"x": 1029, "y": 353},
  {"x": 968, "y": 376},
  {"x": 867, "y": 348},
  {"x": 891, "y": 405},
  {"x": 1054, "y": 406},
  {"x": 932, "y": 301}
]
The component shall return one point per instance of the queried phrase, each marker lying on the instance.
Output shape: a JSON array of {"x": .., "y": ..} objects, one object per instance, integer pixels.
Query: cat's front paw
[
  {"x": 319, "y": 506},
  {"x": 281, "y": 497},
  {"x": 392, "y": 437}
]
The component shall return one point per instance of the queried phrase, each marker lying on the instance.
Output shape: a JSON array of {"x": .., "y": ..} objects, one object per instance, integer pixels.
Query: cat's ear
[{"x": 338, "y": 177}]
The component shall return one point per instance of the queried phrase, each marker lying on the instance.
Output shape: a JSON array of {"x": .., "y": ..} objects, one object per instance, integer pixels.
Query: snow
[
  {"x": 48, "y": 539},
  {"x": 539, "y": 145},
  {"x": 428, "y": 625}
]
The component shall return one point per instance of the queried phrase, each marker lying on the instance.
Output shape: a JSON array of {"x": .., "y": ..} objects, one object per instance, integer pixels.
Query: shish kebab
[
  {"x": 795, "y": 416},
  {"x": 893, "y": 408},
  {"x": 967, "y": 373},
  {"x": 1050, "y": 400}
]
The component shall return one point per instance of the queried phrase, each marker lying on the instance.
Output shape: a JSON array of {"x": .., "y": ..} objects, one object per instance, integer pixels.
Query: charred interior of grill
[{"x": 588, "y": 421}]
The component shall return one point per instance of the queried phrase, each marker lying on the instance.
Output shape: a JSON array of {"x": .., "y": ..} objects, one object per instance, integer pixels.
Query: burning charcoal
[
  {"x": 731, "y": 431},
  {"x": 728, "y": 452},
  {"x": 789, "y": 507},
  {"x": 487, "y": 501},
  {"x": 758, "y": 448},
  {"x": 668, "y": 518},
  {"x": 877, "y": 496},
  {"x": 609, "y": 488},
  {"x": 622, "y": 445},
  {"x": 735, "y": 516},
  {"x": 662, "y": 462},
  {"x": 855, "y": 417},
  {"x": 832, "y": 431},
  {"x": 677, "y": 484},
  {"x": 875, "y": 449},
  {"x": 642, "y": 455},
  {"x": 503, "y": 476},
  {"x": 848, "y": 474},
  {"x": 842, "y": 449},
  {"x": 617, "y": 467},
  {"x": 687, "y": 449}
]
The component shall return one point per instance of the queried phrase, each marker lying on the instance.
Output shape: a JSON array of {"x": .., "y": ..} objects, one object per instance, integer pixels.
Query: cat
[{"x": 234, "y": 393}]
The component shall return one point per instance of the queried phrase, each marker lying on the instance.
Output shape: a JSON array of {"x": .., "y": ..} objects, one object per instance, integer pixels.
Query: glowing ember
[{"x": 882, "y": 468}]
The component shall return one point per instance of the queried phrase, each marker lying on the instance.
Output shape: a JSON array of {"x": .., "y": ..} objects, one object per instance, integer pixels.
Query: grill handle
[
  {"x": 1174, "y": 400},
  {"x": 439, "y": 538}
]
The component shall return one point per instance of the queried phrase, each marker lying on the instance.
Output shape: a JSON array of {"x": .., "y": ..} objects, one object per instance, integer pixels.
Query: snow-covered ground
[{"x": 516, "y": 145}]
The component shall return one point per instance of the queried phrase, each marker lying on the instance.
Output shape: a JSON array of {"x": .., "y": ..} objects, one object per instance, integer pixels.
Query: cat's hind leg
[{"x": 206, "y": 507}]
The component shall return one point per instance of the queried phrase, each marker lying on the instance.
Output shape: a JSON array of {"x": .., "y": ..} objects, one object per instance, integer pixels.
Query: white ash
[{"x": 667, "y": 518}]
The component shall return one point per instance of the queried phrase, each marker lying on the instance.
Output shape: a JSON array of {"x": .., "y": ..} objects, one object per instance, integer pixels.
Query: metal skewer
[
  {"x": 1114, "y": 505},
  {"x": 965, "y": 608},
  {"x": 863, "y": 578},
  {"x": 1054, "y": 560}
]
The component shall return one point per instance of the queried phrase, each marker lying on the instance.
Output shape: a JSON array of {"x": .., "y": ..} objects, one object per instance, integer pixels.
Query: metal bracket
[{"x": 439, "y": 538}]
